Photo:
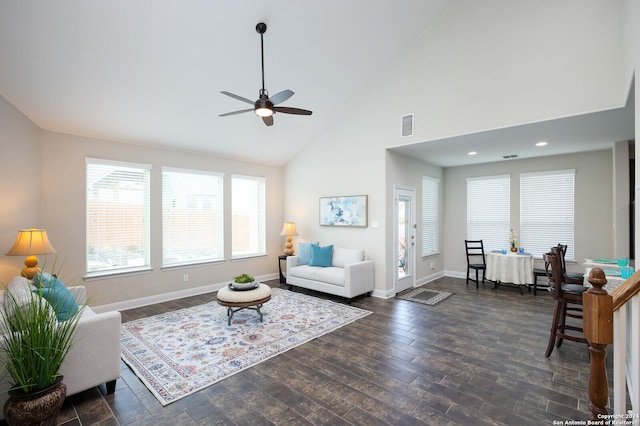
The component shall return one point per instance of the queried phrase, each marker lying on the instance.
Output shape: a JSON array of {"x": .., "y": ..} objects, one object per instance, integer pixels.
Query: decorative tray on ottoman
[{"x": 244, "y": 286}]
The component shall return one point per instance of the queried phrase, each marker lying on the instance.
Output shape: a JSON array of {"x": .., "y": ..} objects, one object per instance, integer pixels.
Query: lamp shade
[
  {"x": 289, "y": 229},
  {"x": 31, "y": 241}
]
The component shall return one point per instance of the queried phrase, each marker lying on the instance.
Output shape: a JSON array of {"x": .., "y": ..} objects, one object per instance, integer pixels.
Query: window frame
[
  {"x": 200, "y": 195},
  {"x": 259, "y": 221},
  {"x": 92, "y": 172},
  {"x": 552, "y": 225},
  {"x": 489, "y": 197},
  {"x": 430, "y": 220}
]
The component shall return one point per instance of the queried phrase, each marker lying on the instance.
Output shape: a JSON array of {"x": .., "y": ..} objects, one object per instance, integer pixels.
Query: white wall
[
  {"x": 483, "y": 65},
  {"x": 593, "y": 203},
  {"x": 631, "y": 44},
  {"x": 19, "y": 183},
  {"x": 407, "y": 171},
  {"x": 63, "y": 203}
]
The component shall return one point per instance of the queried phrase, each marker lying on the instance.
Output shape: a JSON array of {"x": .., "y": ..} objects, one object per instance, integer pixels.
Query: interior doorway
[{"x": 404, "y": 237}]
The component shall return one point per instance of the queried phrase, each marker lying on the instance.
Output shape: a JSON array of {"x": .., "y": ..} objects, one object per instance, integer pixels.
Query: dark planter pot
[{"x": 36, "y": 408}]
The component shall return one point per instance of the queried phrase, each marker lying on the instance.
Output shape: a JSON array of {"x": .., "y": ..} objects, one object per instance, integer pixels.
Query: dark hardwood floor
[{"x": 476, "y": 358}]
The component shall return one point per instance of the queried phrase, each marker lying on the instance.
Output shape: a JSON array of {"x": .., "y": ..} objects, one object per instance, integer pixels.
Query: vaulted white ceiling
[{"x": 151, "y": 72}]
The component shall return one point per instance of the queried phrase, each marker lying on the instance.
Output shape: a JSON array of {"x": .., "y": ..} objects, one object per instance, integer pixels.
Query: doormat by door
[{"x": 424, "y": 295}]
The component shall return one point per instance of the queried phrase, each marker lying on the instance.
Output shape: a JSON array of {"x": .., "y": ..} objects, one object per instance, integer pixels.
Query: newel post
[{"x": 597, "y": 308}]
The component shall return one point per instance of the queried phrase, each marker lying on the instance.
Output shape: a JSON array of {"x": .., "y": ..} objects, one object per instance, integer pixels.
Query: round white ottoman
[{"x": 243, "y": 299}]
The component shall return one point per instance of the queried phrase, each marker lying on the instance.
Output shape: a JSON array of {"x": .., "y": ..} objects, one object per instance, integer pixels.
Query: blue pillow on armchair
[
  {"x": 59, "y": 297},
  {"x": 321, "y": 256}
]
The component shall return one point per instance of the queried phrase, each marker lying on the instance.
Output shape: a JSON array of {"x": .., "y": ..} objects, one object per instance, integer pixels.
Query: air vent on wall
[{"x": 406, "y": 125}]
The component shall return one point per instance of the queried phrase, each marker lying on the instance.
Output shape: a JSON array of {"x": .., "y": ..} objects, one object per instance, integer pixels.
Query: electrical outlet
[
  {"x": 432, "y": 265},
  {"x": 186, "y": 277}
]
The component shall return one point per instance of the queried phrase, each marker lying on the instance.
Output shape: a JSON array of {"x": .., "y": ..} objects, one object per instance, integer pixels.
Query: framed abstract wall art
[{"x": 344, "y": 211}]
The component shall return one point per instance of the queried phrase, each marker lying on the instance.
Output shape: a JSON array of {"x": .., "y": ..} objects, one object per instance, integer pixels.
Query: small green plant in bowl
[
  {"x": 244, "y": 279},
  {"x": 244, "y": 282}
]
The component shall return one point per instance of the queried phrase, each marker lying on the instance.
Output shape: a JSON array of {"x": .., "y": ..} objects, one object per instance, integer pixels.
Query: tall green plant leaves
[{"x": 34, "y": 342}]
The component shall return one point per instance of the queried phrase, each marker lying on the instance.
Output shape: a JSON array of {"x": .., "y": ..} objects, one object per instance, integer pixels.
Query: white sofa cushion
[
  {"x": 331, "y": 275},
  {"x": 305, "y": 271},
  {"x": 328, "y": 274},
  {"x": 343, "y": 256}
]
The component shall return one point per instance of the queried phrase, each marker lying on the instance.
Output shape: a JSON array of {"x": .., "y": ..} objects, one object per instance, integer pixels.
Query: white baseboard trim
[
  {"x": 172, "y": 295},
  {"x": 383, "y": 294},
  {"x": 429, "y": 278}
]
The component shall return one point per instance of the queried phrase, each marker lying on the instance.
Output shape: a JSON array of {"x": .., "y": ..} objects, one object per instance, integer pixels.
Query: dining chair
[
  {"x": 538, "y": 273},
  {"x": 568, "y": 298},
  {"x": 569, "y": 277},
  {"x": 475, "y": 259}
]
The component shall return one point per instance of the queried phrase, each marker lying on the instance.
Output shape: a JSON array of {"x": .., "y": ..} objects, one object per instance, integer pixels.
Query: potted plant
[
  {"x": 34, "y": 345},
  {"x": 513, "y": 240},
  {"x": 244, "y": 282}
]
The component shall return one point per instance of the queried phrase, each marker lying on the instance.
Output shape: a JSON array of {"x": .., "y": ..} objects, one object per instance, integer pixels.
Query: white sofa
[
  {"x": 348, "y": 275},
  {"x": 95, "y": 356}
]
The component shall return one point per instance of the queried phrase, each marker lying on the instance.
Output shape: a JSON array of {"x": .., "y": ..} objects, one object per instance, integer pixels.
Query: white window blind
[
  {"x": 488, "y": 211},
  {"x": 547, "y": 211},
  {"x": 429, "y": 215},
  {"x": 192, "y": 217},
  {"x": 248, "y": 230},
  {"x": 117, "y": 209}
]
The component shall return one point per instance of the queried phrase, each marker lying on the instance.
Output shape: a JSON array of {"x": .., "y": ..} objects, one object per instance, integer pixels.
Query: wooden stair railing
[{"x": 598, "y": 308}]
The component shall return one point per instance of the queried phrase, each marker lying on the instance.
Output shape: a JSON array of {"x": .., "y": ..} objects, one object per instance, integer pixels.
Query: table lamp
[
  {"x": 289, "y": 229},
  {"x": 30, "y": 242}
]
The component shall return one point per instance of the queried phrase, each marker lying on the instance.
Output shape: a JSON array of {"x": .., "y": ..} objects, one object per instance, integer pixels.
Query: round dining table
[{"x": 510, "y": 267}]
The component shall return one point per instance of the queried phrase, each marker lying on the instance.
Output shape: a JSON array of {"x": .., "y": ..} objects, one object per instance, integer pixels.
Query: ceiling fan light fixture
[
  {"x": 264, "y": 112},
  {"x": 263, "y": 106}
]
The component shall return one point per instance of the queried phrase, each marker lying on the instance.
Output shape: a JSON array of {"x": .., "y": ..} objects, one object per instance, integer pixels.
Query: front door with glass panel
[{"x": 404, "y": 238}]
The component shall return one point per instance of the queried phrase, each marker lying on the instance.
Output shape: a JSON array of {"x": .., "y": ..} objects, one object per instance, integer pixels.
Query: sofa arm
[
  {"x": 95, "y": 356},
  {"x": 292, "y": 262},
  {"x": 358, "y": 277}
]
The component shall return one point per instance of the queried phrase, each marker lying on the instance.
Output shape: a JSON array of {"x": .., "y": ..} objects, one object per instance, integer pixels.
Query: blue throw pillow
[
  {"x": 304, "y": 252},
  {"x": 59, "y": 297},
  {"x": 321, "y": 256},
  {"x": 41, "y": 279}
]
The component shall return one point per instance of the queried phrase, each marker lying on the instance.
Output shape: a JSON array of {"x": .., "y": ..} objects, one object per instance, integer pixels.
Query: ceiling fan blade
[
  {"x": 289, "y": 110},
  {"x": 238, "y": 97},
  {"x": 268, "y": 120},
  {"x": 280, "y": 97},
  {"x": 235, "y": 112}
]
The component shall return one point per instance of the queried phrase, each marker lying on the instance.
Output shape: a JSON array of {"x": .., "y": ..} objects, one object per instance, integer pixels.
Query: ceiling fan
[{"x": 265, "y": 107}]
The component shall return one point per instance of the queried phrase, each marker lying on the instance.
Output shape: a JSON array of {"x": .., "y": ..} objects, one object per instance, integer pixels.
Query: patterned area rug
[
  {"x": 424, "y": 295},
  {"x": 180, "y": 352}
]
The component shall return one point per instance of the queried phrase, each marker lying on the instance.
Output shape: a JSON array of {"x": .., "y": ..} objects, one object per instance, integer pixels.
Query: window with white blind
[
  {"x": 547, "y": 211},
  {"x": 488, "y": 211},
  {"x": 429, "y": 215},
  {"x": 248, "y": 216},
  {"x": 192, "y": 217},
  {"x": 117, "y": 209}
]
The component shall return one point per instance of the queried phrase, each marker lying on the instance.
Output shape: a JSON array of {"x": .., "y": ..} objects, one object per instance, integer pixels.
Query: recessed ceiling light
[
  {"x": 541, "y": 143},
  {"x": 471, "y": 153}
]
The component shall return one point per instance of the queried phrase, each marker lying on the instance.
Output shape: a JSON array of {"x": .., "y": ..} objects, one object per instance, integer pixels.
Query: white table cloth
[
  {"x": 611, "y": 264},
  {"x": 510, "y": 268},
  {"x": 613, "y": 280}
]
